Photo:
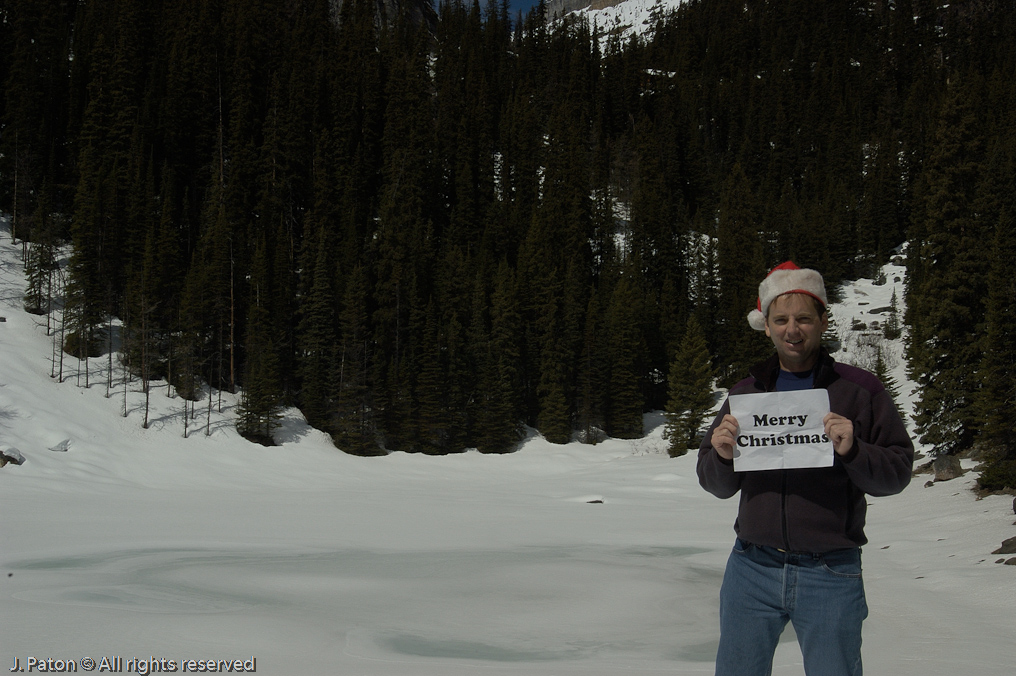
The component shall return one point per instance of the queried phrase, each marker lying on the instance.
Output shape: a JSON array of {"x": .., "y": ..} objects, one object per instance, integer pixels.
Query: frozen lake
[{"x": 554, "y": 560}]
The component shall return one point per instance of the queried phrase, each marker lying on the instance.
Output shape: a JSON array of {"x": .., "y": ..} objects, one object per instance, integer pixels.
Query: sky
[
  {"x": 556, "y": 560},
  {"x": 523, "y": 6}
]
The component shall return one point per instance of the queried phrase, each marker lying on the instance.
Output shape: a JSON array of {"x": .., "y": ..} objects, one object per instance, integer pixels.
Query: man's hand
[
  {"x": 723, "y": 437},
  {"x": 840, "y": 431}
]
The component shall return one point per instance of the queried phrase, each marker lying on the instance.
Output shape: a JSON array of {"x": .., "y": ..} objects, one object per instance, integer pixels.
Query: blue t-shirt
[{"x": 788, "y": 381}]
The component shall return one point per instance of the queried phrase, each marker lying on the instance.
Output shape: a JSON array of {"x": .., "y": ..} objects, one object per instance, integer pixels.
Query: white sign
[{"x": 781, "y": 430}]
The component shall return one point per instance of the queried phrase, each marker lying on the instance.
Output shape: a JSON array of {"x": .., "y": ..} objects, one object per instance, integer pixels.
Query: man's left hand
[{"x": 840, "y": 431}]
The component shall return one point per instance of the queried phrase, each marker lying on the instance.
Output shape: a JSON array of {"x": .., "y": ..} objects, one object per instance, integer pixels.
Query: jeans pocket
[{"x": 843, "y": 563}]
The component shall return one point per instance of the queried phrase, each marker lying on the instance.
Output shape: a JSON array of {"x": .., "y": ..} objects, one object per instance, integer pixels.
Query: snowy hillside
[
  {"x": 119, "y": 541},
  {"x": 629, "y": 17}
]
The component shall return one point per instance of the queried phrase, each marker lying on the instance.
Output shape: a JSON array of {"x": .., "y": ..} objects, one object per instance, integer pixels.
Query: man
[{"x": 797, "y": 556}]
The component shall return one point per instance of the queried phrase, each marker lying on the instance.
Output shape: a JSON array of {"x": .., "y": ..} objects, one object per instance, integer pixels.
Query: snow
[
  {"x": 555, "y": 560},
  {"x": 629, "y": 18}
]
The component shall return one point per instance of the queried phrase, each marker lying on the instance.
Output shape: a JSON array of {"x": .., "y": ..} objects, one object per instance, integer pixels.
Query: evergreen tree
[
  {"x": 555, "y": 417},
  {"x": 626, "y": 350},
  {"x": 892, "y": 329},
  {"x": 404, "y": 248},
  {"x": 740, "y": 266},
  {"x": 34, "y": 145},
  {"x": 998, "y": 370},
  {"x": 591, "y": 395},
  {"x": 354, "y": 425},
  {"x": 433, "y": 425},
  {"x": 94, "y": 207},
  {"x": 691, "y": 391},
  {"x": 499, "y": 415},
  {"x": 42, "y": 263},
  {"x": 208, "y": 301},
  {"x": 881, "y": 371},
  {"x": 318, "y": 335},
  {"x": 945, "y": 303},
  {"x": 259, "y": 409}
]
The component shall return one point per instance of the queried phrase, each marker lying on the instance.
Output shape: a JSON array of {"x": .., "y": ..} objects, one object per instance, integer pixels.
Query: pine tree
[
  {"x": 997, "y": 397},
  {"x": 626, "y": 354},
  {"x": 259, "y": 409},
  {"x": 945, "y": 305},
  {"x": 403, "y": 249},
  {"x": 34, "y": 104},
  {"x": 141, "y": 328},
  {"x": 591, "y": 395},
  {"x": 555, "y": 419},
  {"x": 42, "y": 263},
  {"x": 208, "y": 302},
  {"x": 691, "y": 390},
  {"x": 317, "y": 335},
  {"x": 740, "y": 266},
  {"x": 882, "y": 372},
  {"x": 354, "y": 424},
  {"x": 499, "y": 414},
  {"x": 433, "y": 428},
  {"x": 94, "y": 212},
  {"x": 892, "y": 330}
]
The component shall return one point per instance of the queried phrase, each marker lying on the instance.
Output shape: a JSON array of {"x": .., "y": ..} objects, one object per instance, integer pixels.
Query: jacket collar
[{"x": 765, "y": 373}]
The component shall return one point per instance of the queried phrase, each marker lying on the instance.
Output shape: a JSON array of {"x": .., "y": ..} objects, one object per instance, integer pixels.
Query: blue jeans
[{"x": 764, "y": 588}]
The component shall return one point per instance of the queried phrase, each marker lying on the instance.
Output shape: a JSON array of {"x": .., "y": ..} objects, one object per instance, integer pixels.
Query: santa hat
[{"x": 786, "y": 278}]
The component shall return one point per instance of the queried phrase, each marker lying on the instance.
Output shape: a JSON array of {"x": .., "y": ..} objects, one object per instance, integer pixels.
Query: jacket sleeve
[
  {"x": 882, "y": 459},
  {"x": 717, "y": 474}
]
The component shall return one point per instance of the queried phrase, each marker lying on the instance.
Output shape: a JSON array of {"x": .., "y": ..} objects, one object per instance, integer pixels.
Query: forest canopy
[{"x": 428, "y": 233}]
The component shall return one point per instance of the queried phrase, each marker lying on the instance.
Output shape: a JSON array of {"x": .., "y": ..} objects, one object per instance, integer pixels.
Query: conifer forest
[{"x": 429, "y": 226}]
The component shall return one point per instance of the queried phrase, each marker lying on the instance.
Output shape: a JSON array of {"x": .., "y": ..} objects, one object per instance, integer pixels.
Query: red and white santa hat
[{"x": 786, "y": 278}]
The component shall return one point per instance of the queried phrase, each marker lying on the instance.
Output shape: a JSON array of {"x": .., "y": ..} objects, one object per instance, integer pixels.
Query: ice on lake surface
[
  {"x": 551, "y": 561},
  {"x": 532, "y": 604}
]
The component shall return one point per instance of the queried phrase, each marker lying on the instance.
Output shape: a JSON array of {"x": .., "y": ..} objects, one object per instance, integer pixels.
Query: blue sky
[
  {"x": 515, "y": 6},
  {"x": 521, "y": 5}
]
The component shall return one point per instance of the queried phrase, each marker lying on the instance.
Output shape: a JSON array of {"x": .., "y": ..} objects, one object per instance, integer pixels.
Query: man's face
[{"x": 796, "y": 327}]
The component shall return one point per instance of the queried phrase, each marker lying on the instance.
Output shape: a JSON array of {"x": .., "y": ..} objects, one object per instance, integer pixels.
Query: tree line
[{"x": 427, "y": 234}]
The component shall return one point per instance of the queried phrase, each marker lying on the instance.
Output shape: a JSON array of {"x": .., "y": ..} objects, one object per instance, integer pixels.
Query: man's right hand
[{"x": 723, "y": 437}]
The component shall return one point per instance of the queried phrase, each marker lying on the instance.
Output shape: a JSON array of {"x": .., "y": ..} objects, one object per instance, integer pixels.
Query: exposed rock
[
  {"x": 1011, "y": 562},
  {"x": 9, "y": 454},
  {"x": 1008, "y": 547},
  {"x": 947, "y": 467},
  {"x": 929, "y": 484},
  {"x": 562, "y": 7},
  {"x": 1014, "y": 505}
]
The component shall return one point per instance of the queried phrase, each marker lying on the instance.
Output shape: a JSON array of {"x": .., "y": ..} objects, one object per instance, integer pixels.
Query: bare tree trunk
[
  {"x": 208, "y": 423},
  {"x": 52, "y": 357},
  {"x": 232, "y": 326},
  {"x": 109, "y": 347},
  {"x": 126, "y": 358},
  {"x": 144, "y": 358},
  {"x": 14, "y": 216},
  {"x": 49, "y": 299},
  {"x": 63, "y": 331}
]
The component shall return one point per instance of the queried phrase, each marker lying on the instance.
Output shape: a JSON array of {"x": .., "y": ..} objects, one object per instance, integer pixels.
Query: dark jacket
[{"x": 822, "y": 509}]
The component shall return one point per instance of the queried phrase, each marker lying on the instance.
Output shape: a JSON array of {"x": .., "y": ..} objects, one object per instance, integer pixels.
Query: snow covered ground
[{"x": 554, "y": 560}]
